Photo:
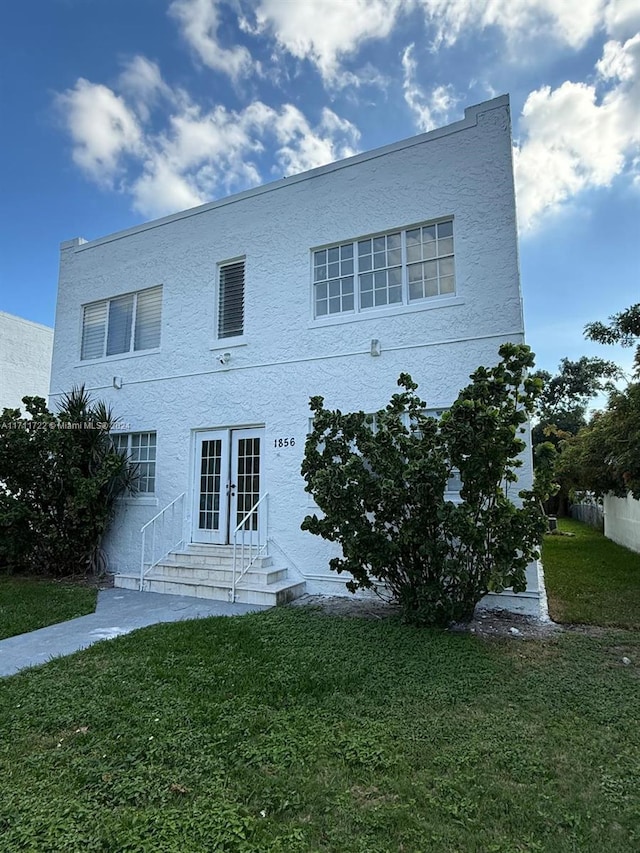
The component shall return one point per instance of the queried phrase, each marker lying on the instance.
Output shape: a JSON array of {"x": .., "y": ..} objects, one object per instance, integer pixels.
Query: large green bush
[
  {"x": 381, "y": 484},
  {"x": 59, "y": 478}
]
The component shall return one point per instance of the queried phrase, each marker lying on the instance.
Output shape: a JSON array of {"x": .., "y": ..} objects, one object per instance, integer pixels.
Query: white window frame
[
  {"x": 406, "y": 303},
  {"x": 105, "y": 303},
  {"x": 151, "y": 471}
]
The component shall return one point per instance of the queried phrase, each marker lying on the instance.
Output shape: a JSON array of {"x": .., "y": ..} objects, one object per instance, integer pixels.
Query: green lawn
[
  {"x": 590, "y": 579},
  {"x": 30, "y": 603},
  {"x": 289, "y": 730}
]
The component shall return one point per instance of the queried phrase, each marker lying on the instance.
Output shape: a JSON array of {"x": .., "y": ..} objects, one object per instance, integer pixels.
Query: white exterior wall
[
  {"x": 463, "y": 171},
  {"x": 25, "y": 360},
  {"x": 622, "y": 521}
]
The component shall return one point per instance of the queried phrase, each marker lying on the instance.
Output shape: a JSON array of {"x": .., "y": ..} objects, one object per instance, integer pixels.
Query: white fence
[
  {"x": 619, "y": 518},
  {"x": 622, "y": 521},
  {"x": 589, "y": 512}
]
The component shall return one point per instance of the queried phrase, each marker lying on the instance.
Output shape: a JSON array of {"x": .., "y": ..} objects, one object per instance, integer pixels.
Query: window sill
[
  {"x": 108, "y": 359},
  {"x": 373, "y": 314},
  {"x": 139, "y": 500},
  {"x": 228, "y": 343}
]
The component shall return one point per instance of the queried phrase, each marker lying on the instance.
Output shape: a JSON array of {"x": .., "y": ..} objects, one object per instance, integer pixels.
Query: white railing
[
  {"x": 249, "y": 544},
  {"x": 166, "y": 535}
]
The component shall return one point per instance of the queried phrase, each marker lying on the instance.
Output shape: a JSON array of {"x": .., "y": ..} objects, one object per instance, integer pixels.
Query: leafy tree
[
  {"x": 605, "y": 455},
  {"x": 623, "y": 329},
  {"x": 381, "y": 486},
  {"x": 59, "y": 478},
  {"x": 561, "y": 410},
  {"x": 562, "y": 406}
]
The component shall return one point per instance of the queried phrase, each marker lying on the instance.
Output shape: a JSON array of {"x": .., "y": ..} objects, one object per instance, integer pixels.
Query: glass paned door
[
  {"x": 211, "y": 502},
  {"x": 226, "y": 483},
  {"x": 245, "y": 474}
]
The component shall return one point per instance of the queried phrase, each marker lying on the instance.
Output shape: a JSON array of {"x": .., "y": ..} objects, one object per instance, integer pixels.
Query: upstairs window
[
  {"x": 140, "y": 450},
  {"x": 231, "y": 300},
  {"x": 128, "y": 323},
  {"x": 399, "y": 268}
]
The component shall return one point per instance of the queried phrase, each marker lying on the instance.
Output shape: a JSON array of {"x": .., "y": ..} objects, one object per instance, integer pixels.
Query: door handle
[{"x": 230, "y": 487}]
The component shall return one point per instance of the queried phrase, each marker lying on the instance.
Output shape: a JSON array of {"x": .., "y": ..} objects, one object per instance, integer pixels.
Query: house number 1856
[{"x": 284, "y": 442}]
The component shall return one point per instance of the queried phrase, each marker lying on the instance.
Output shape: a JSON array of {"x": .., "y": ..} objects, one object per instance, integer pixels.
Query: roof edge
[{"x": 471, "y": 113}]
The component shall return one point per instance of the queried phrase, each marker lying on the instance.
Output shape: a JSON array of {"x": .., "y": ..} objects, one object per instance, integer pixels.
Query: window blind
[
  {"x": 231, "y": 301},
  {"x": 148, "y": 317},
  {"x": 94, "y": 327},
  {"x": 120, "y": 316},
  {"x": 122, "y": 324}
]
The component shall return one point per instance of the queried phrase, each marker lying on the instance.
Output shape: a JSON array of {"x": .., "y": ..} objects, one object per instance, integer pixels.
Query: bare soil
[{"x": 486, "y": 623}]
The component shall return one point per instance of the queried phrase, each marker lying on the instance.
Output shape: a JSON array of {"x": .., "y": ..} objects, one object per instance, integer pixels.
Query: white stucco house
[
  {"x": 208, "y": 331},
  {"x": 25, "y": 360}
]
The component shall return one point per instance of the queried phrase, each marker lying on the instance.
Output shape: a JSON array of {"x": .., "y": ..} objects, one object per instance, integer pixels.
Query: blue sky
[{"x": 119, "y": 111}]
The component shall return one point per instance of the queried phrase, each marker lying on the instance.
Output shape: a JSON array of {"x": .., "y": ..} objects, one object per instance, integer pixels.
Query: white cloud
[
  {"x": 199, "y": 155},
  {"x": 204, "y": 155},
  {"x": 303, "y": 147},
  {"x": 142, "y": 84},
  {"x": 102, "y": 128},
  {"x": 570, "y": 22},
  {"x": 327, "y": 31},
  {"x": 431, "y": 110},
  {"x": 161, "y": 189},
  {"x": 199, "y": 23},
  {"x": 622, "y": 18},
  {"x": 574, "y": 138}
]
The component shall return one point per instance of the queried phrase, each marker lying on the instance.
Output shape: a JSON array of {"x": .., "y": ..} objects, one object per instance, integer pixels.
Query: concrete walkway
[{"x": 118, "y": 611}]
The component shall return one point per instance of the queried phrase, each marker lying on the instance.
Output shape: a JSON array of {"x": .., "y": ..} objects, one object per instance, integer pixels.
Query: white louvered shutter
[
  {"x": 231, "y": 303},
  {"x": 148, "y": 319},
  {"x": 94, "y": 324}
]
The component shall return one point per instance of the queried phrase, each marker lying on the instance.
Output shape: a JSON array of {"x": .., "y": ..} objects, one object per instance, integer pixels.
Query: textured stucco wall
[
  {"x": 25, "y": 360},
  {"x": 622, "y": 521},
  {"x": 463, "y": 171}
]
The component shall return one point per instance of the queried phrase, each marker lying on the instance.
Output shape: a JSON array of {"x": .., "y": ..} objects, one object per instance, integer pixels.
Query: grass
[
  {"x": 590, "y": 579},
  {"x": 30, "y": 603},
  {"x": 292, "y": 731}
]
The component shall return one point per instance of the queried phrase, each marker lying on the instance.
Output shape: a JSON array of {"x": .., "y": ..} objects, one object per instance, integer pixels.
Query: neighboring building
[
  {"x": 25, "y": 360},
  {"x": 208, "y": 331}
]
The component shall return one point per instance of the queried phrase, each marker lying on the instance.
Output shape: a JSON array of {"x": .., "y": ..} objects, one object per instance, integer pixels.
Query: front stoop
[{"x": 206, "y": 571}]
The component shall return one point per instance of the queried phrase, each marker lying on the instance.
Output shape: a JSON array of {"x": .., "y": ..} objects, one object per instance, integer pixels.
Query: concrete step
[
  {"x": 221, "y": 575},
  {"x": 201, "y": 556},
  {"x": 199, "y": 560},
  {"x": 279, "y": 592}
]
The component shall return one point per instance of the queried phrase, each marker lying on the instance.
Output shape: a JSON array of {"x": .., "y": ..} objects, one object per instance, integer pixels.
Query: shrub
[
  {"x": 381, "y": 486},
  {"x": 59, "y": 478}
]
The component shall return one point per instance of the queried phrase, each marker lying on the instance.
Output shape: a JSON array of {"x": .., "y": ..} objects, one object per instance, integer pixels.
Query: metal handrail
[
  {"x": 260, "y": 548},
  {"x": 143, "y": 531}
]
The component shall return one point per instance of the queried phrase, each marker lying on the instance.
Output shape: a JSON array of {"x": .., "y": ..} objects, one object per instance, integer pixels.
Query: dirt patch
[
  {"x": 89, "y": 581},
  {"x": 486, "y": 623}
]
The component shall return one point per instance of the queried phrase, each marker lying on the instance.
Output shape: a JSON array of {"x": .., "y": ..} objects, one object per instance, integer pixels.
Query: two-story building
[{"x": 208, "y": 331}]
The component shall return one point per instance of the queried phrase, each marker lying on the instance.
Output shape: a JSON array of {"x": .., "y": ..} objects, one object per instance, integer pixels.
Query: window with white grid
[
  {"x": 430, "y": 261},
  {"x": 140, "y": 449},
  {"x": 129, "y": 323},
  {"x": 402, "y": 267},
  {"x": 333, "y": 280}
]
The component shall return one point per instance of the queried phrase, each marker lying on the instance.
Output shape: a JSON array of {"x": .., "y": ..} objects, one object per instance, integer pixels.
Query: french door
[{"x": 227, "y": 483}]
